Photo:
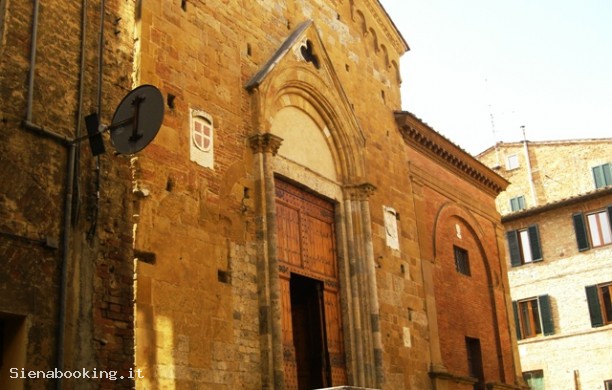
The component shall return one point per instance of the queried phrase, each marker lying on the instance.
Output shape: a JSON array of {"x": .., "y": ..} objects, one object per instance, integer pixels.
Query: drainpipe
[
  {"x": 534, "y": 200},
  {"x": 29, "y": 125}
]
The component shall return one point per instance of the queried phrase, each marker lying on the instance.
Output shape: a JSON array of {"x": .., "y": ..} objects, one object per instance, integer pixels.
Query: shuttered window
[
  {"x": 524, "y": 246},
  {"x": 533, "y": 316},
  {"x": 517, "y": 203},
  {"x": 535, "y": 379},
  {"x": 593, "y": 229},
  {"x": 599, "y": 298},
  {"x": 602, "y": 174}
]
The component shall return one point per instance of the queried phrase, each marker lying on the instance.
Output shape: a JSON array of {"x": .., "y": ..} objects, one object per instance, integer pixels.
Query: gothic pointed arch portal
[{"x": 309, "y": 169}]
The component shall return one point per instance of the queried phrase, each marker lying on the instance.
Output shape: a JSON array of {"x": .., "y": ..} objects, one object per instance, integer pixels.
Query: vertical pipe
[
  {"x": 32, "y": 72},
  {"x": 61, "y": 333},
  {"x": 101, "y": 57}
]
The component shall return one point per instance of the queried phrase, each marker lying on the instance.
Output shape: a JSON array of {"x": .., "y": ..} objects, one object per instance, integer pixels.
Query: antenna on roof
[{"x": 492, "y": 119}]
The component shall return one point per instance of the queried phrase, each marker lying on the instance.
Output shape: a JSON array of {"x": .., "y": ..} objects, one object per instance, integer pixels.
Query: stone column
[
  {"x": 264, "y": 147},
  {"x": 365, "y": 191},
  {"x": 368, "y": 344}
]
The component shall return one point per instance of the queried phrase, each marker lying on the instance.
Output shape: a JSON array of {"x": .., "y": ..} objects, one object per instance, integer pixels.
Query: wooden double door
[{"x": 313, "y": 347}]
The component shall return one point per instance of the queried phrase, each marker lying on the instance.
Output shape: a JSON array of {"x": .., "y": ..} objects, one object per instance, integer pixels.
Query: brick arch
[
  {"x": 448, "y": 212},
  {"x": 302, "y": 88}
]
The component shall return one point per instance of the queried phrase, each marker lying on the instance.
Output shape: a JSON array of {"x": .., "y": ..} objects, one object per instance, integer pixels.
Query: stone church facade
[{"x": 288, "y": 228}]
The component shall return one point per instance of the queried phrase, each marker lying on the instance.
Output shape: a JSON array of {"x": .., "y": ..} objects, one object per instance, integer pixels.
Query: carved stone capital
[
  {"x": 265, "y": 143},
  {"x": 361, "y": 191}
]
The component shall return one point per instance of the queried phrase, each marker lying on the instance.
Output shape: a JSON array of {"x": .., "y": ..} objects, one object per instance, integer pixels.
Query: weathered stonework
[
  {"x": 66, "y": 249},
  {"x": 176, "y": 268}
]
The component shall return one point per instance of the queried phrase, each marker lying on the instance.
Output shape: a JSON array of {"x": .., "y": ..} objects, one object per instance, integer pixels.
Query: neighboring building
[
  {"x": 288, "y": 227},
  {"x": 557, "y": 213}
]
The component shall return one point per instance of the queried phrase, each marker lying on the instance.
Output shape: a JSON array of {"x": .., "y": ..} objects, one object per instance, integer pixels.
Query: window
[
  {"x": 524, "y": 246},
  {"x": 512, "y": 162},
  {"x": 462, "y": 261},
  {"x": 535, "y": 379},
  {"x": 594, "y": 230},
  {"x": 532, "y": 317},
  {"x": 474, "y": 356},
  {"x": 599, "y": 298},
  {"x": 608, "y": 384},
  {"x": 517, "y": 203},
  {"x": 602, "y": 174}
]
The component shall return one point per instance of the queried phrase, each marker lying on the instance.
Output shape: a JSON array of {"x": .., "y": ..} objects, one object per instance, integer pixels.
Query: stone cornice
[
  {"x": 423, "y": 138},
  {"x": 265, "y": 143},
  {"x": 386, "y": 24}
]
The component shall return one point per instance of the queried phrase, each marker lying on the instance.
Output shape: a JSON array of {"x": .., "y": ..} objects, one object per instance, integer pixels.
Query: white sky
[{"x": 479, "y": 65}]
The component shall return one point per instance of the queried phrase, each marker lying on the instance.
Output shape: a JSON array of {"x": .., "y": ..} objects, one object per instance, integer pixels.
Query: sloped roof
[
  {"x": 558, "y": 203},
  {"x": 579, "y": 141}
]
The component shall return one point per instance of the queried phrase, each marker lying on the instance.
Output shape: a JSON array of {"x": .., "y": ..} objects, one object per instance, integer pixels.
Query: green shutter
[
  {"x": 594, "y": 307},
  {"x": 513, "y": 247},
  {"x": 514, "y": 204},
  {"x": 517, "y": 321},
  {"x": 598, "y": 176},
  {"x": 534, "y": 242},
  {"x": 546, "y": 315},
  {"x": 607, "y": 173},
  {"x": 602, "y": 175},
  {"x": 581, "y": 233},
  {"x": 521, "y": 202}
]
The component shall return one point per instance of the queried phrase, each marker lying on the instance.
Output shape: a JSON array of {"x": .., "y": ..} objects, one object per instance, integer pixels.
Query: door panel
[{"x": 306, "y": 247}]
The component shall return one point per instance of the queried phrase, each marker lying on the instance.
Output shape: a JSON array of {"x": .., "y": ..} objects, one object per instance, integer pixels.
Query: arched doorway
[{"x": 313, "y": 346}]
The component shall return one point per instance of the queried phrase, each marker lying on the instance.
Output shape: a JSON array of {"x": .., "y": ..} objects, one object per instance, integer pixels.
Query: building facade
[
  {"x": 557, "y": 215},
  {"x": 287, "y": 228}
]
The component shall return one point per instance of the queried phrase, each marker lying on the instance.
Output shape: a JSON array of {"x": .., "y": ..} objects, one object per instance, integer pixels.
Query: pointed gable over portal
[
  {"x": 305, "y": 131},
  {"x": 298, "y": 97}
]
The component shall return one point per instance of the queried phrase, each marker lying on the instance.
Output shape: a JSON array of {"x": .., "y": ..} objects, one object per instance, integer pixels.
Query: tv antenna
[{"x": 135, "y": 124}]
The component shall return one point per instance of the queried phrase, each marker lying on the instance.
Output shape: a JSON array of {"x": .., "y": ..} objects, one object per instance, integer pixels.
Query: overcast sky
[{"x": 478, "y": 70}]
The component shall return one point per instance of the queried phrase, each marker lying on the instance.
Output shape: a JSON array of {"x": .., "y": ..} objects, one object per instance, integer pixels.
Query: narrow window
[
  {"x": 599, "y": 228},
  {"x": 533, "y": 317},
  {"x": 594, "y": 229},
  {"x": 512, "y": 162},
  {"x": 529, "y": 315},
  {"x": 602, "y": 174},
  {"x": 517, "y": 203},
  {"x": 524, "y": 246},
  {"x": 608, "y": 384},
  {"x": 535, "y": 379},
  {"x": 599, "y": 298},
  {"x": 462, "y": 261}
]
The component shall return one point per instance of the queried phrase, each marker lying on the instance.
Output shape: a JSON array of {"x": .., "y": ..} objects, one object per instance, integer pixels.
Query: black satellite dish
[{"x": 137, "y": 119}]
